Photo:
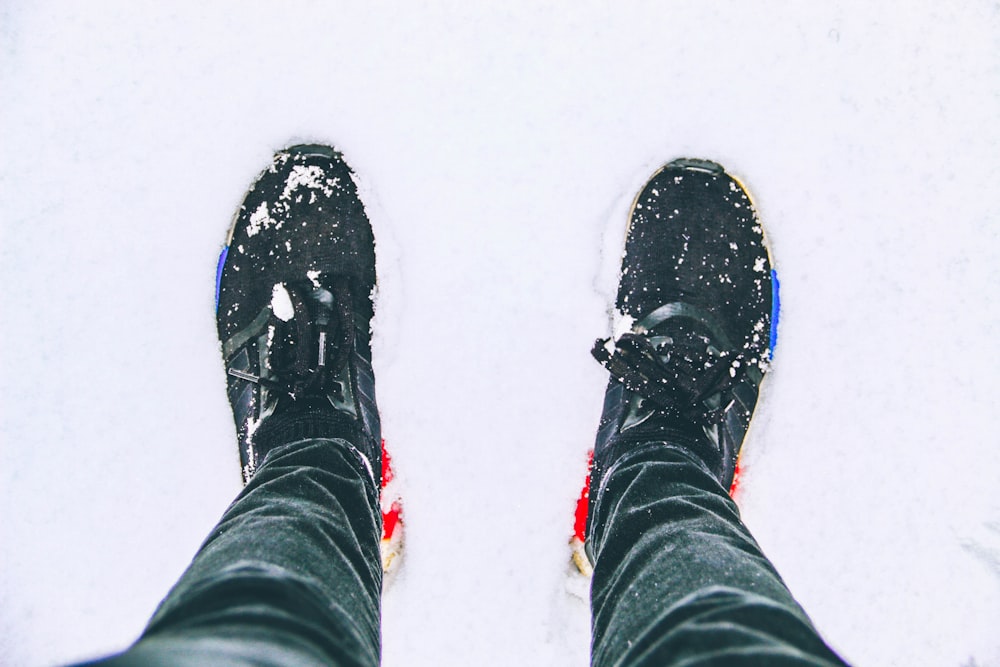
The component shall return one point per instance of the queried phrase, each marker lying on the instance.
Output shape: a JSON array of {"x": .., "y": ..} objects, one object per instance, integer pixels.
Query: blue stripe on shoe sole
[
  {"x": 218, "y": 274},
  {"x": 775, "y": 311}
]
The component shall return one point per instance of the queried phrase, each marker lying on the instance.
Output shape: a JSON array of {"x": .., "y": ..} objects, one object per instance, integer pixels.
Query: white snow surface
[{"x": 498, "y": 145}]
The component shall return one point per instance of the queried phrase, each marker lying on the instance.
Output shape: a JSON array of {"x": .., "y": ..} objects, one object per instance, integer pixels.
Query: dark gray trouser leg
[
  {"x": 290, "y": 576},
  {"x": 678, "y": 578}
]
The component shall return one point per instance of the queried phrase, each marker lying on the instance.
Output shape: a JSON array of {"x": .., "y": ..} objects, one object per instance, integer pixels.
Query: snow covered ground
[{"x": 497, "y": 142}]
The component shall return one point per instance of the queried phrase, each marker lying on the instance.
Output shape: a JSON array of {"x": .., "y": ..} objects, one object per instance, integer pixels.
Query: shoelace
[
  {"x": 677, "y": 373},
  {"x": 300, "y": 358}
]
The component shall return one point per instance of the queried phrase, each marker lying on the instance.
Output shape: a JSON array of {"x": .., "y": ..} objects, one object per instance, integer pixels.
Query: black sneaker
[
  {"x": 294, "y": 307},
  {"x": 695, "y": 327}
]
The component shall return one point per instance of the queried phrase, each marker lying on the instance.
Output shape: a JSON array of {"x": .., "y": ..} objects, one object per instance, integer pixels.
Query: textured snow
[
  {"x": 281, "y": 303},
  {"x": 498, "y": 147},
  {"x": 309, "y": 176},
  {"x": 259, "y": 219},
  {"x": 621, "y": 324}
]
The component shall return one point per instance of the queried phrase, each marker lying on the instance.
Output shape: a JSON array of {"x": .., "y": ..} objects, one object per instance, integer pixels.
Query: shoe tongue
[
  {"x": 309, "y": 403},
  {"x": 675, "y": 357},
  {"x": 690, "y": 355},
  {"x": 308, "y": 341},
  {"x": 683, "y": 320},
  {"x": 682, "y": 334}
]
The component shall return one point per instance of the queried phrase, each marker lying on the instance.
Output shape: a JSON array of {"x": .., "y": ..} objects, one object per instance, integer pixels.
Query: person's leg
[
  {"x": 678, "y": 579},
  {"x": 292, "y": 574}
]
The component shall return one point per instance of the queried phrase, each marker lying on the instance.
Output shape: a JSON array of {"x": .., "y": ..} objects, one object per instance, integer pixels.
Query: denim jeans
[
  {"x": 290, "y": 576},
  {"x": 292, "y": 573},
  {"x": 678, "y": 579}
]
